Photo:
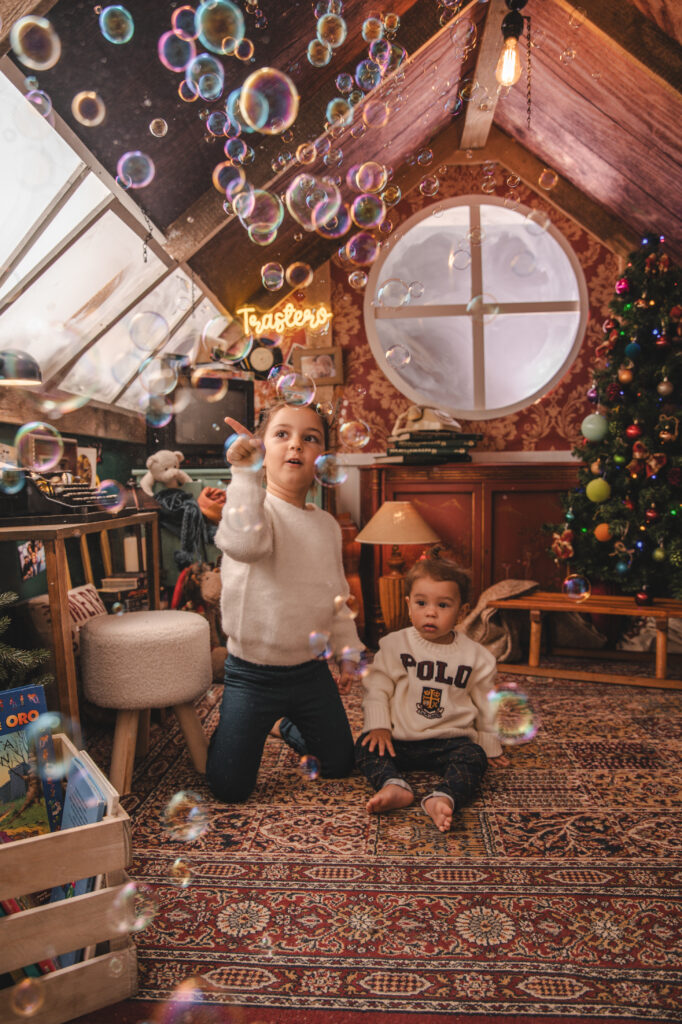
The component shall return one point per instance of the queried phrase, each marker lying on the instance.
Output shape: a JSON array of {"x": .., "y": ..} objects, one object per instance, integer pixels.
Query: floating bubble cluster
[{"x": 515, "y": 720}]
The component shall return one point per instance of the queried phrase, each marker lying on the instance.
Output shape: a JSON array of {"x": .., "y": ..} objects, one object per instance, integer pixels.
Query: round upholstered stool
[{"x": 144, "y": 660}]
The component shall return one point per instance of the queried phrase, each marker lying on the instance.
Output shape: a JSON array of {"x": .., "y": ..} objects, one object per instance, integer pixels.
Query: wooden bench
[{"x": 544, "y": 601}]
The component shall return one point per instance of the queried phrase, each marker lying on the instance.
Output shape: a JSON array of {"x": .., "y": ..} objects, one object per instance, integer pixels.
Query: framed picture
[
  {"x": 323, "y": 365},
  {"x": 31, "y": 558}
]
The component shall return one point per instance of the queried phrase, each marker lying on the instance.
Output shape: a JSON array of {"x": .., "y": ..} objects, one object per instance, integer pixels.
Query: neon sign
[{"x": 289, "y": 318}]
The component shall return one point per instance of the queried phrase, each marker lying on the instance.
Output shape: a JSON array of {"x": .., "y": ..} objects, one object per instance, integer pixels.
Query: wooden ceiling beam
[
  {"x": 622, "y": 25},
  {"x": 479, "y": 115}
]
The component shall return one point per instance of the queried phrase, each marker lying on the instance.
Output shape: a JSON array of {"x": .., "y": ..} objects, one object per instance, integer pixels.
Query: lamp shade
[
  {"x": 19, "y": 369},
  {"x": 397, "y": 522}
]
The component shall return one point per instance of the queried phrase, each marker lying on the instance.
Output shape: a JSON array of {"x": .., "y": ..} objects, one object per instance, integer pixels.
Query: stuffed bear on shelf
[{"x": 164, "y": 467}]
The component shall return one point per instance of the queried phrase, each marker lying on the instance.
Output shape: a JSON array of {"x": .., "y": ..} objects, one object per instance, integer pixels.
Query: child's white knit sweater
[
  {"x": 280, "y": 573},
  {"x": 421, "y": 690}
]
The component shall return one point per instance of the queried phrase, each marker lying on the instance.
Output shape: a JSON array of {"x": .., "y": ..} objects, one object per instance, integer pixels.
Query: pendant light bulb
[{"x": 508, "y": 70}]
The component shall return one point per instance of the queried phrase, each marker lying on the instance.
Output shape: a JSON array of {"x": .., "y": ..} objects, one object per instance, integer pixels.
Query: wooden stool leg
[
  {"x": 661, "y": 648},
  {"x": 535, "y": 637},
  {"x": 142, "y": 745},
  {"x": 123, "y": 754},
  {"x": 195, "y": 737}
]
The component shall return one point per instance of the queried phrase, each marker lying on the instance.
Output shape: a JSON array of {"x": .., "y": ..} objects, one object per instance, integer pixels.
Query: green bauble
[
  {"x": 598, "y": 490},
  {"x": 594, "y": 427}
]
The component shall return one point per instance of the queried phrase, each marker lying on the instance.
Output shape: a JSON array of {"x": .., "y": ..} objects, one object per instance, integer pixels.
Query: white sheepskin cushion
[{"x": 145, "y": 659}]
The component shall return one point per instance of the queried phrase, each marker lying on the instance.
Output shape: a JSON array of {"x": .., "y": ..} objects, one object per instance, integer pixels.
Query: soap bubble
[
  {"x": 158, "y": 127},
  {"x": 174, "y": 52},
  {"x": 269, "y": 101},
  {"x": 219, "y": 25},
  {"x": 320, "y": 645},
  {"x": 367, "y": 210},
  {"x": 157, "y": 410},
  {"x": 110, "y": 496},
  {"x": 567, "y": 56},
  {"x": 116, "y": 24},
  {"x": 309, "y": 767},
  {"x": 259, "y": 209},
  {"x": 319, "y": 53},
  {"x": 547, "y": 179},
  {"x": 205, "y": 76},
  {"x": 371, "y": 177},
  {"x": 398, "y": 356},
  {"x": 185, "y": 816},
  {"x": 312, "y": 202},
  {"x": 157, "y": 376},
  {"x": 272, "y": 276},
  {"x": 27, "y": 997},
  {"x": 133, "y": 908},
  {"x": 536, "y": 222},
  {"x": 362, "y": 248},
  {"x": 429, "y": 185},
  {"x": 392, "y": 195},
  {"x": 357, "y": 280},
  {"x": 338, "y": 114},
  {"x": 180, "y": 873},
  {"x": 117, "y": 608},
  {"x": 240, "y": 519},
  {"x": 39, "y": 446},
  {"x": 148, "y": 330},
  {"x": 136, "y": 169},
  {"x": 244, "y": 49},
  {"x": 523, "y": 263},
  {"x": 88, "y": 108},
  {"x": 375, "y": 113},
  {"x": 354, "y": 434},
  {"x": 225, "y": 339},
  {"x": 51, "y": 764},
  {"x": 332, "y": 30},
  {"x": 391, "y": 23},
  {"x": 372, "y": 29},
  {"x": 41, "y": 101},
  {"x": 216, "y": 122},
  {"x": 299, "y": 275},
  {"x": 393, "y": 292},
  {"x": 306, "y": 153},
  {"x": 35, "y": 42},
  {"x": 329, "y": 471},
  {"x": 296, "y": 389},
  {"x": 257, "y": 446},
  {"x": 484, "y": 307},
  {"x": 335, "y": 226},
  {"x": 515, "y": 721},
  {"x": 184, "y": 23},
  {"x": 346, "y": 606},
  {"x": 12, "y": 479},
  {"x": 576, "y": 587},
  {"x": 278, "y": 372},
  {"x": 459, "y": 259},
  {"x": 416, "y": 289},
  {"x": 367, "y": 75}
]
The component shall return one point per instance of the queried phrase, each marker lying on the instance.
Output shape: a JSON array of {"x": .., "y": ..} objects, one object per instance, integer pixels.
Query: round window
[{"x": 475, "y": 308}]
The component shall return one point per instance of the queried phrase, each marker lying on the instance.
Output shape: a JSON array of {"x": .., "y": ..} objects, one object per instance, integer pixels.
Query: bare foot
[
  {"x": 440, "y": 809},
  {"x": 388, "y": 798},
  {"x": 275, "y": 731}
]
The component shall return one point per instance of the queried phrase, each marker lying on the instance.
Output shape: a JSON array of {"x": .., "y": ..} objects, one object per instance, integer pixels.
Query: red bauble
[
  {"x": 643, "y": 597},
  {"x": 629, "y": 504},
  {"x": 662, "y": 341},
  {"x": 633, "y": 431},
  {"x": 651, "y": 515},
  {"x": 676, "y": 312},
  {"x": 609, "y": 324}
]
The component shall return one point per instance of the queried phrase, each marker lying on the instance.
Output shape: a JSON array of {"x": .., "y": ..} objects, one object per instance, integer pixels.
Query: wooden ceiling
[{"x": 606, "y": 121}]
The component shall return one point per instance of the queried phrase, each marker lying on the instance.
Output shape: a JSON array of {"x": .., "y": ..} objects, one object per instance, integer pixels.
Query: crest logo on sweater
[{"x": 429, "y": 706}]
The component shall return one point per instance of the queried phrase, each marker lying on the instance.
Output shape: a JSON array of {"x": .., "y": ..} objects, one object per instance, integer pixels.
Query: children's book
[
  {"x": 30, "y": 798},
  {"x": 84, "y": 804}
]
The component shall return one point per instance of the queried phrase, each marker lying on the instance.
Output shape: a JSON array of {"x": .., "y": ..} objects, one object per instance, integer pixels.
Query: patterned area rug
[{"x": 554, "y": 897}]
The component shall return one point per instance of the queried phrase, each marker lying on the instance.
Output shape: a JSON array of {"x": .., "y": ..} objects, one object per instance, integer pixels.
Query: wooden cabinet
[{"x": 491, "y": 515}]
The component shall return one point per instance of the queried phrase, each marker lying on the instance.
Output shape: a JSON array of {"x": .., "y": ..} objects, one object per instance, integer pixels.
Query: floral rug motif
[{"x": 555, "y": 896}]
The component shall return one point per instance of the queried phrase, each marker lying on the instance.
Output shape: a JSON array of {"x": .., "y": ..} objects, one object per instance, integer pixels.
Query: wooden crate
[{"x": 32, "y": 865}]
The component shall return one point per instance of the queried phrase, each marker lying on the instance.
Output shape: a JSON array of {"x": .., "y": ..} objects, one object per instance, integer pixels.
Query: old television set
[{"x": 202, "y": 401}]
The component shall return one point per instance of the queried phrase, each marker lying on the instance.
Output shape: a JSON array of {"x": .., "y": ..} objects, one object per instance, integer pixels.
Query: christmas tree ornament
[
  {"x": 633, "y": 431},
  {"x": 668, "y": 428},
  {"x": 652, "y": 514},
  {"x": 609, "y": 325},
  {"x": 662, "y": 341},
  {"x": 619, "y": 460},
  {"x": 622, "y": 286},
  {"x": 593, "y": 395},
  {"x": 595, "y": 467},
  {"x": 665, "y": 387},
  {"x": 594, "y": 427},
  {"x": 643, "y": 597},
  {"x": 562, "y": 545},
  {"x": 633, "y": 350},
  {"x": 569, "y": 514},
  {"x": 640, "y": 303},
  {"x": 622, "y": 566},
  {"x": 676, "y": 313},
  {"x": 603, "y": 532},
  {"x": 658, "y": 554},
  {"x": 598, "y": 491},
  {"x": 625, "y": 373},
  {"x": 629, "y": 504}
]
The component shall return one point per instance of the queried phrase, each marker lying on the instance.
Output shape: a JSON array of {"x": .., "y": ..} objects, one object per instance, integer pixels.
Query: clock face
[{"x": 262, "y": 359}]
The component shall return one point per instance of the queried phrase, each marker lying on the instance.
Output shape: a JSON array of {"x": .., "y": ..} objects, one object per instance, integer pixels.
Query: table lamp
[{"x": 396, "y": 522}]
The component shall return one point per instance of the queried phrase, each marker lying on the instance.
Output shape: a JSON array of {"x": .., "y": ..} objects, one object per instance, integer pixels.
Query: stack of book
[
  {"x": 123, "y": 581},
  {"x": 429, "y": 447}
]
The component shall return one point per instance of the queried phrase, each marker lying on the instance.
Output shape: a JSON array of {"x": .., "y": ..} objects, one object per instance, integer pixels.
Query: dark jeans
[
  {"x": 460, "y": 762},
  {"x": 255, "y": 697}
]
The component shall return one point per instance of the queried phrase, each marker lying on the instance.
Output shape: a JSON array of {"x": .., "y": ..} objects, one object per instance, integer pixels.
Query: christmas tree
[
  {"x": 17, "y": 667},
  {"x": 623, "y": 524}
]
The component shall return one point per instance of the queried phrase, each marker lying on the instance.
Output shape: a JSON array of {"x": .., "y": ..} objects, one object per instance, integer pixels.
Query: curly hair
[{"x": 438, "y": 563}]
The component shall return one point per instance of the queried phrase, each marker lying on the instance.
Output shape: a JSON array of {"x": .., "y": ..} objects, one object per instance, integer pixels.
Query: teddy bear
[
  {"x": 198, "y": 590},
  {"x": 164, "y": 466}
]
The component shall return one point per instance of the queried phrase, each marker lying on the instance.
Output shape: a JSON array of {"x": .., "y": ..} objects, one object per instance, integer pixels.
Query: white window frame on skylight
[{"x": 374, "y": 311}]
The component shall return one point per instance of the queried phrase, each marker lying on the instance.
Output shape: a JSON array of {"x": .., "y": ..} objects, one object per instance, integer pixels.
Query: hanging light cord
[{"x": 528, "y": 69}]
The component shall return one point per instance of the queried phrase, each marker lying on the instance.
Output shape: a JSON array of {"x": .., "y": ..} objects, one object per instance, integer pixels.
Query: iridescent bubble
[
  {"x": 372, "y": 29},
  {"x": 367, "y": 75},
  {"x": 398, "y": 356},
  {"x": 425, "y": 157},
  {"x": 49, "y": 763},
  {"x": 380, "y": 53},
  {"x": 272, "y": 276},
  {"x": 319, "y": 54},
  {"x": 311, "y": 201},
  {"x": 339, "y": 113},
  {"x": 547, "y": 179},
  {"x": 269, "y": 101},
  {"x": 216, "y": 122},
  {"x": 367, "y": 210},
  {"x": 355, "y": 434},
  {"x": 484, "y": 307},
  {"x": 299, "y": 275},
  {"x": 375, "y": 113},
  {"x": 536, "y": 222},
  {"x": 186, "y": 93},
  {"x": 88, "y": 108},
  {"x": 357, "y": 280},
  {"x": 184, "y": 23},
  {"x": 158, "y": 127},
  {"x": 186, "y": 816},
  {"x": 148, "y": 330},
  {"x": 278, "y": 372},
  {"x": 39, "y": 446},
  {"x": 371, "y": 177},
  {"x": 180, "y": 873},
  {"x": 577, "y": 17},
  {"x": 309, "y": 767},
  {"x": 225, "y": 340},
  {"x": 116, "y": 24},
  {"x": 320, "y": 644},
  {"x": 110, "y": 496},
  {"x": 329, "y": 470},
  {"x": 157, "y": 410},
  {"x": 265, "y": 211},
  {"x": 344, "y": 83},
  {"x": 158, "y": 376},
  {"x": 362, "y": 249},
  {"x": 257, "y": 447},
  {"x": 513, "y": 180},
  {"x": 244, "y": 50},
  {"x": 459, "y": 259},
  {"x": 475, "y": 236},
  {"x": 136, "y": 168},
  {"x": 463, "y": 35},
  {"x": 133, "y": 908},
  {"x": 239, "y": 519},
  {"x": 117, "y": 608},
  {"x": 429, "y": 185},
  {"x": 567, "y": 56},
  {"x": 219, "y": 25},
  {"x": 392, "y": 195},
  {"x": 296, "y": 388},
  {"x": 41, "y": 101},
  {"x": 27, "y": 997},
  {"x": 35, "y": 42},
  {"x": 576, "y": 587},
  {"x": 332, "y": 30},
  {"x": 12, "y": 479},
  {"x": 205, "y": 76},
  {"x": 523, "y": 263},
  {"x": 515, "y": 721},
  {"x": 175, "y": 53},
  {"x": 393, "y": 292},
  {"x": 306, "y": 153},
  {"x": 346, "y": 606}
]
